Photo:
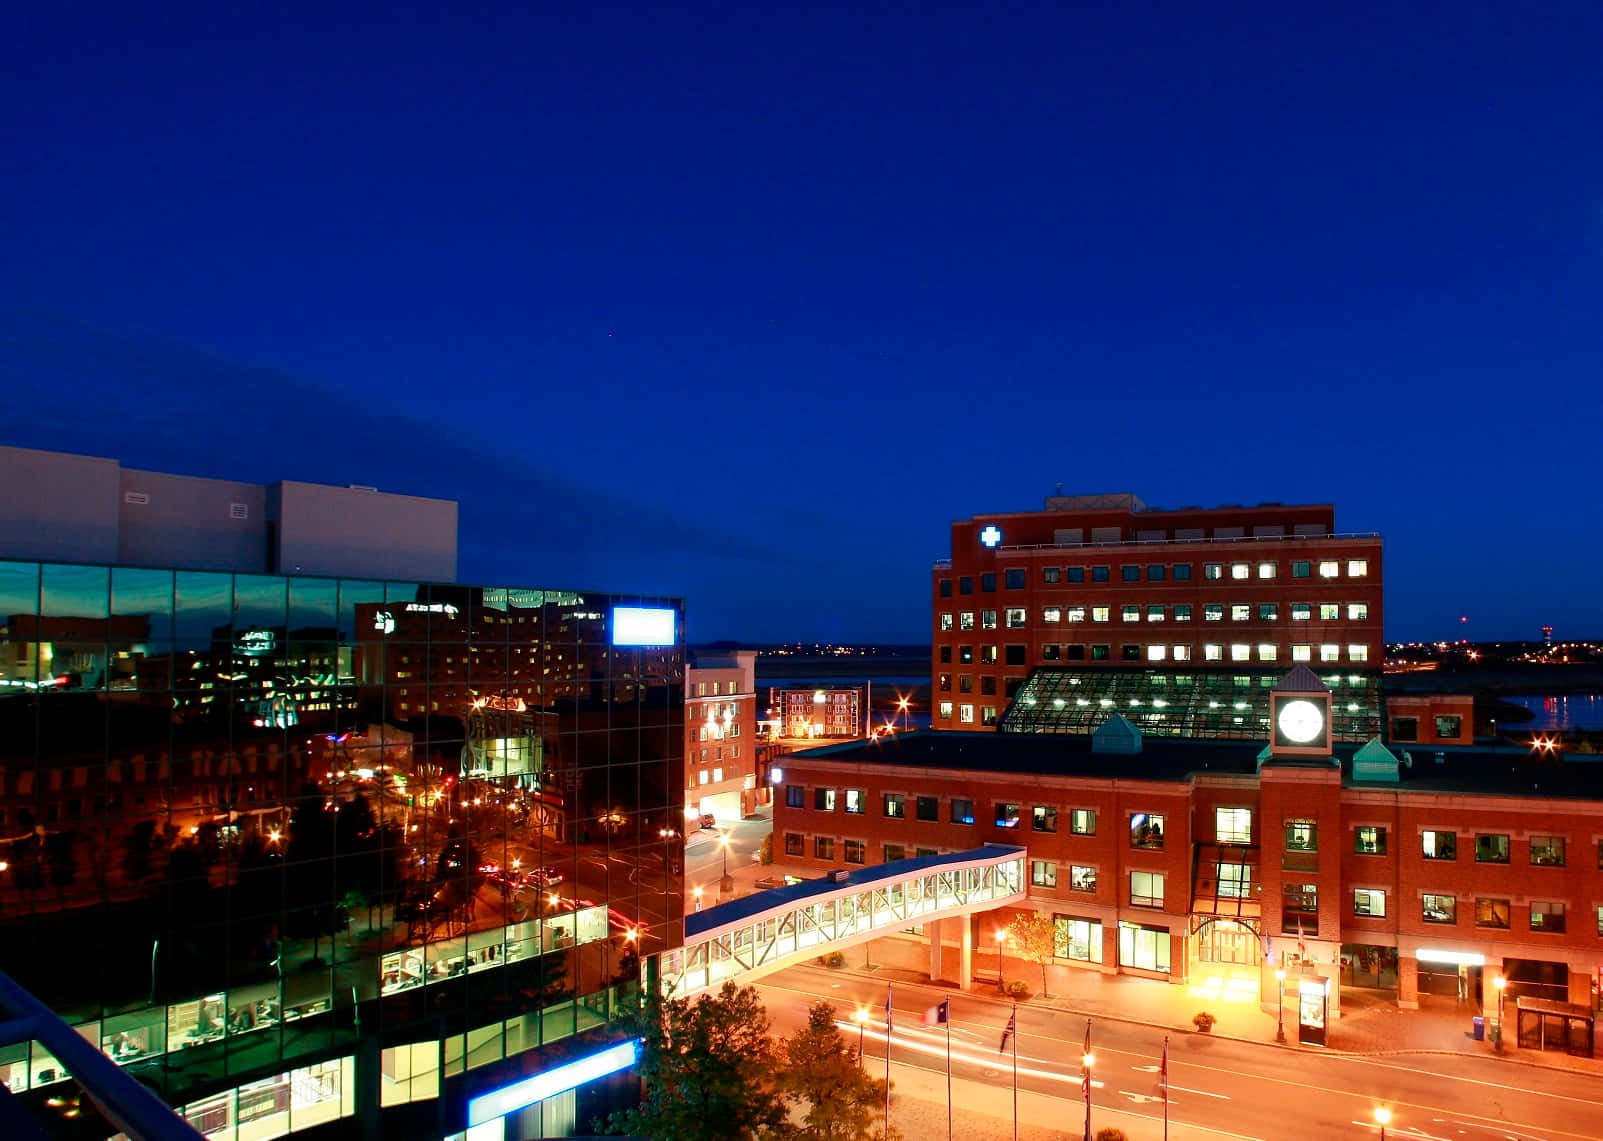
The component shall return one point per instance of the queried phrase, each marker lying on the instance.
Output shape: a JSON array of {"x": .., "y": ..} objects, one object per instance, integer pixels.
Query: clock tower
[{"x": 1299, "y": 716}]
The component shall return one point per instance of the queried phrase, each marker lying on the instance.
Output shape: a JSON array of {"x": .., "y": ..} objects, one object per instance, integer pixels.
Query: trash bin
[{"x": 1478, "y": 1025}]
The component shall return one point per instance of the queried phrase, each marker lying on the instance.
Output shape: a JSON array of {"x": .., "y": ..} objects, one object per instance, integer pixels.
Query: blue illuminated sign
[
  {"x": 642, "y": 626},
  {"x": 509, "y": 1099},
  {"x": 992, "y": 535}
]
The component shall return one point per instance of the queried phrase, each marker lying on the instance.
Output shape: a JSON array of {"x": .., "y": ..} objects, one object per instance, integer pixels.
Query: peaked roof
[{"x": 1300, "y": 680}]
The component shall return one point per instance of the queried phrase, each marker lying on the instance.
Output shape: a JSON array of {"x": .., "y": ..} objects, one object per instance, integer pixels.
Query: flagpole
[
  {"x": 887, "y": 1060},
  {"x": 1165, "y": 1087},
  {"x": 948, "y": 1021},
  {"x": 1015, "y": 1072},
  {"x": 1085, "y": 1078}
]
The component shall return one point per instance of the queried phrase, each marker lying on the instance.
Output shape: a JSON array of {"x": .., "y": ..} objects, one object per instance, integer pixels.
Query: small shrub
[
  {"x": 765, "y": 854},
  {"x": 1203, "y": 1021},
  {"x": 834, "y": 959},
  {"x": 1017, "y": 988},
  {"x": 1110, "y": 1134}
]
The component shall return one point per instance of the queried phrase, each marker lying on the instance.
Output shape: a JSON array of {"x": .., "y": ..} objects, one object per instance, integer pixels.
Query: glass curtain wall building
[{"x": 299, "y": 850}]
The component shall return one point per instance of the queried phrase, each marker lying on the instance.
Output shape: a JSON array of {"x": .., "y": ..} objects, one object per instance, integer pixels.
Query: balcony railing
[{"x": 946, "y": 564}]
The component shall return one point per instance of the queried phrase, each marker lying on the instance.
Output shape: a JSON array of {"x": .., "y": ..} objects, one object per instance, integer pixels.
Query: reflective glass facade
[
  {"x": 1166, "y": 703},
  {"x": 298, "y": 849}
]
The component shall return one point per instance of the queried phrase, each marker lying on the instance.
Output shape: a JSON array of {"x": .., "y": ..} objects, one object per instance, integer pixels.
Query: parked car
[{"x": 709, "y": 822}]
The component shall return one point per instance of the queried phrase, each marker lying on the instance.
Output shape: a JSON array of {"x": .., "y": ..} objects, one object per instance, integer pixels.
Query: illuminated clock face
[
  {"x": 1300, "y": 721},
  {"x": 992, "y": 535}
]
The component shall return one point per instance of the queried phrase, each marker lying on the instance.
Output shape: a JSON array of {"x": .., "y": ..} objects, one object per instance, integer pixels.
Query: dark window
[
  {"x": 1074, "y": 652},
  {"x": 929, "y": 808},
  {"x": 856, "y": 852},
  {"x": 795, "y": 796},
  {"x": 988, "y": 686},
  {"x": 1007, "y": 815},
  {"x": 965, "y": 585},
  {"x": 895, "y": 852},
  {"x": 824, "y": 799},
  {"x": 1301, "y": 568},
  {"x": 1076, "y": 574},
  {"x": 945, "y": 588},
  {"x": 988, "y": 582},
  {"x": 1491, "y": 848},
  {"x": 965, "y": 655},
  {"x": 962, "y": 810},
  {"x": 1015, "y": 578},
  {"x": 1014, "y": 655},
  {"x": 824, "y": 848},
  {"x": 1044, "y": 818},
  {"x": 1099, "y": 574},
  {"x": 1130, "y": 573},
  {"x": 1101, "y": 653},
  {"x": 795, "y": 844},
  {"x": 1405, "y": 728},
  {"x": 1182, "y": 572},
  {"x": 1156, "y": 573},
  {"x": 1051, "y": 652},
  {"x": 965, "y": 683},
  {"x": 1130, "y": 653},
  {"x": 1050, "y": 574},
  {"x": 1547, "y": 917},
  {"x": 1011, "y": 686},
  {"x": 946, "y": 655}
]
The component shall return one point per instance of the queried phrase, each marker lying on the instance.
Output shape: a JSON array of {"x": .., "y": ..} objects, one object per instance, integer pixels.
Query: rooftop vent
[
  {"x": 1116, "y": 735},
  {"x": 239, "y": 511},
  {"x": 138, "y": 497},
  {"x": 359, "y": 487}
]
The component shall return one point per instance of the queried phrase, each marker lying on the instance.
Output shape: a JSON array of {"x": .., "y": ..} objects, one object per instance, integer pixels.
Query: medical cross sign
[{"x": 991, "y": 535}]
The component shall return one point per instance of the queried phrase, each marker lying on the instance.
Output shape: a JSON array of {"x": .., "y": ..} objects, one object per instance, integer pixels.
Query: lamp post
[
  {"x": 668, "y": 836},
  {"x": 726, "y": 885},
  {"x": 861, "y": 1018},
  {"x": 1382, "y": 1119},
  {"x": 901, "y": 705},
  {"x": 1001, "y": 938},
  {"x": 698, "y": 899},
  {"x": 1500, "y": 982},
  {"x": 1280, "y": 1005}
]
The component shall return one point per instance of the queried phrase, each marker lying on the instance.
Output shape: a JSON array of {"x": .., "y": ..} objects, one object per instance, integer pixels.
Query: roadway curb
[{"x": 1191, "y": 1030}]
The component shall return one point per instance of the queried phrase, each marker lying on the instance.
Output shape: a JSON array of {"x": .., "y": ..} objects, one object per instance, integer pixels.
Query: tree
[
  {"x": 1034, "y": 939},
  {"x": 1110, "y": 1134},
  {"x": 825, "y": 1074},
  {"x": 707, "y": 1065}
]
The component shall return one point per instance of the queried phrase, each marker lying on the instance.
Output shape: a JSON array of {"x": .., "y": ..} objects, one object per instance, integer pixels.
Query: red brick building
[
  {"x": 721, "y": 737},
  {"x": 1105, "y": 583},
  {"x": 1430, "y": 872}
]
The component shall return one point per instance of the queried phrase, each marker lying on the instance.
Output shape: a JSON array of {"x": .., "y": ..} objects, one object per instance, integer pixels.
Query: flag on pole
[
  {"x": 1302, "y": 945},
  {"x": 1010, "y": 1029},
  {"x": 1085, "y": 1070},
  {"x": 936, "y": 1015},
  {"x": 1163, "y": 1072},
  {"x": 887, "y": 1009}
]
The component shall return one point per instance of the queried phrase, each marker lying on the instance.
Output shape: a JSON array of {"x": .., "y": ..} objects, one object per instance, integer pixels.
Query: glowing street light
[
  {"x": 901, "y": 705},
  {"x": 726, "y": 884},
  {"x": 1382, "y": 1119},
  {"x": 1280, "y": 1006},
  {"x": 860, "y": 1016}
]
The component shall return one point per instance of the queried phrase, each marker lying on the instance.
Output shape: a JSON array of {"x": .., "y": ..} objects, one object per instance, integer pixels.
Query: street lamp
[
  {"x": 1001, "y": 938},
  {"x": 698, "y": 899},
  {"x": 726, "y": 885},
  {"x": 901, "y": 704},
  {"x": 1280, "y": 1005},
  {"x": 861, "y": 1018},
  {"x": 1500, "y": 982},
  {"x": 1382, "y": 1119}
]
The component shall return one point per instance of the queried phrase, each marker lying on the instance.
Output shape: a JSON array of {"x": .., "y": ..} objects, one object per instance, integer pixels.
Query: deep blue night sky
[{"x": 747, "y": 304}]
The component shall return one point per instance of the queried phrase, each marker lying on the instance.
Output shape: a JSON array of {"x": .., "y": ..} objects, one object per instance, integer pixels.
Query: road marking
[{"x": 1503, "y": 1134}]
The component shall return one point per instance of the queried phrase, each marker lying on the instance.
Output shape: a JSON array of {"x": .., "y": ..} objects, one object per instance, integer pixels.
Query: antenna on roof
[{"x": 1060, "y": 489}]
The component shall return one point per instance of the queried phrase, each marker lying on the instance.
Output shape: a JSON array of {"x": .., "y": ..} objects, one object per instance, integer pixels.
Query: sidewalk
[{"x": 1370, "y": 1023}]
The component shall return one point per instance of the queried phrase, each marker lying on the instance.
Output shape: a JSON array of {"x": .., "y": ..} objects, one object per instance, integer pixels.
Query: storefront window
[
  {"x": 1079, "y": 939},
  {"x": 1145, "y": 948}
]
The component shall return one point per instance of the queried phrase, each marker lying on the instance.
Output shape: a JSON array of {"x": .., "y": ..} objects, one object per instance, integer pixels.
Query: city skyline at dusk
[{"x": 749, "y": 307}]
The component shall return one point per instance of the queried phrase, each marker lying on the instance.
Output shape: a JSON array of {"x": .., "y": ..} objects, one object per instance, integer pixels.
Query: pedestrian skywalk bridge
[{"x": 747, "y": 938}]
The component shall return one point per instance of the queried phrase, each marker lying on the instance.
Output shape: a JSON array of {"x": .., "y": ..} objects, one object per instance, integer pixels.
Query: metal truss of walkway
[{"x": 747, "y": 938}]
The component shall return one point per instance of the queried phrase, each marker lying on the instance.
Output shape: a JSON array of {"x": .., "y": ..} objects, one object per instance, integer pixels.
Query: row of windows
[
  {"x": 1015, "y": 654},
  {"x": 1014, "y": 578},
  {"x": 1017, "y": 617},
  {"x": 1549, "y": 916}
]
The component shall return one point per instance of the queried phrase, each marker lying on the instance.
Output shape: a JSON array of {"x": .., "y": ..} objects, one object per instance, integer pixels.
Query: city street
[
  {"x": 1219, "y": 1087},
  {"x": 704, "y": 860}
]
